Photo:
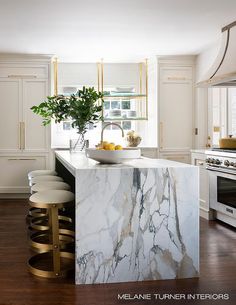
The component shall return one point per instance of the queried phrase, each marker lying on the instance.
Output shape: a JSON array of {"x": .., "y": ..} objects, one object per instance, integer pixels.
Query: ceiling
[{"x": 116, "y": 30}]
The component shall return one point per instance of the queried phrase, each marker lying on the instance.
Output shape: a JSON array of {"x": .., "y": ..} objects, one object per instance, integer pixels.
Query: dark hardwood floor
[{"x": 19, "y": 287}]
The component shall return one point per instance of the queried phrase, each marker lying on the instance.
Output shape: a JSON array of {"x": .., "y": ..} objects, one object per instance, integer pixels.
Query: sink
[{"x": 113, "y": 156}]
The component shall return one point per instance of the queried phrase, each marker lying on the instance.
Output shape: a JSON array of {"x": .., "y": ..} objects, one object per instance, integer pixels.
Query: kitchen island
[{"x": 135, "y": 221}]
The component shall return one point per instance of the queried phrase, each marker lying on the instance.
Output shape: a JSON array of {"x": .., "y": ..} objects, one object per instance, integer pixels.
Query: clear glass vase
[{"x": 79, "y": 144}]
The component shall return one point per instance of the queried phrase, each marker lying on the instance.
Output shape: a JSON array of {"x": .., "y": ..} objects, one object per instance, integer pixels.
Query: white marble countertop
[{"x": 76, "y": 161}]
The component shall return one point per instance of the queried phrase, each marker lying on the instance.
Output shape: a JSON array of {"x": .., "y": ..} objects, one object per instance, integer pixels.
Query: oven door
[{"x": 223, "y": 192}]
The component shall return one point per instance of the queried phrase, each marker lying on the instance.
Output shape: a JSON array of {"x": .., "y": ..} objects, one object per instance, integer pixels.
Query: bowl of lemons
[{"x": 110, "y": 153}]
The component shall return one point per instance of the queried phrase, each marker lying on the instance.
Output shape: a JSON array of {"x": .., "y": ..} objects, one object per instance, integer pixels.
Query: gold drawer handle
[
  {"x": 201, "y": 163},
  {"x": 176, "y": 78},
  {"x": 21, "y": 159},
  {"x": 21, "y": 76}
]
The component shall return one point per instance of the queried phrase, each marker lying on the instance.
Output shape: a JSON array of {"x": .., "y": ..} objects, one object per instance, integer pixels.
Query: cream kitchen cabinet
[
  {"x": 14, "y": 170},
  {"x": 176, "y": 106},
  {"x": 24, "y": 142},
  {"x": 198, "y": 158}
]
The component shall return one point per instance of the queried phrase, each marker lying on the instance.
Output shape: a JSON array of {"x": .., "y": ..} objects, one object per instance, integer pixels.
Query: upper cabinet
[
  {"x": 22, "y": 85},
  {"x": 10, "y": 114},
  {"x": 176, "y": 105}
]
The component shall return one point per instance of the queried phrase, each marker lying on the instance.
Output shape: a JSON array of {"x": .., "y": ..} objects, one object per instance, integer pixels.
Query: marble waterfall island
[{"x": 135, "y": 221}]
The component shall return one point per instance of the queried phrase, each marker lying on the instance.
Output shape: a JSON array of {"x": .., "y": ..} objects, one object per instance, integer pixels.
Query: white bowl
[{"x": 113, "y": 156}]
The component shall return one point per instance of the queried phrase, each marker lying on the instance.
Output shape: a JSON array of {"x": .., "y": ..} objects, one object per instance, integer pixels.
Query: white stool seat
[
  {"x": 44, "y": 179},
  {"x": 50, "y": 185},
  {"x": 41, "y": 172},
  {"x": 52, "y": 197}
]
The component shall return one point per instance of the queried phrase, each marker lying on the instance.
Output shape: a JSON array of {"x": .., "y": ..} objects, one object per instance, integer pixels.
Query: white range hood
[{"x": 223, "y": 71}]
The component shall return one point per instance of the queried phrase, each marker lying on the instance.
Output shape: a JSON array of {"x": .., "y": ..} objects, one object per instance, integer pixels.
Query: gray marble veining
[{"x": 135, "y": 224}]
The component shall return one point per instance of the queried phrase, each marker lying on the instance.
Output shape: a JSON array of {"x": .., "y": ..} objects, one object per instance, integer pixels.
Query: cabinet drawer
[
  {"x": 15, "y": 169},
  {"x": 24, "y": 71},
  {"x": 176, "y": 74}
]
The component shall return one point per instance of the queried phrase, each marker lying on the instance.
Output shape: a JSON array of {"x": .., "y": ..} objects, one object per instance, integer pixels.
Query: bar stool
[
  {"x": 60, "y": 262},
  {"x": 39, "y": 219},
  {"x": 44, "y": 178},
  {"x": 41, "y": 172},
  {"x": 49, "y": 185},
  {"x": 40, "y": 178}
]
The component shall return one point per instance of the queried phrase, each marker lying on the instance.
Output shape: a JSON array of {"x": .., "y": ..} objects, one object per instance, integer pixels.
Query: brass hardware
[
  {"x": 108, "y": 124},
  {"x": 176, "y": 78},
  {"x": 140, "y": 78},
  {"x": 208, "y": 138},
  {"x": 20, "y": 141},
  {"x": 146, "y": 62},
  {"x": 196, "y": 131},
  {"x": 161, "y": 135},
  {"x": 55, "y": 67},
  {"x": 208, "y": 145},
  {"x": 102, "y": 74},
  {"x": 23, "y": 135},
  {"x": 21, "y": 76},
  {"x": 98, "y": 75},
  {"x": 216, "y": 128}
]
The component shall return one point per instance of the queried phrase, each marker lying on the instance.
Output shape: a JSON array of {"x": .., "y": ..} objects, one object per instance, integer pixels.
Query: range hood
[{"x": 223, "y": 71}]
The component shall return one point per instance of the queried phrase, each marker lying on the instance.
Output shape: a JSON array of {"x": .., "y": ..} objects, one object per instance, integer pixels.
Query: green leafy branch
[{"x": 82, "y": 108}]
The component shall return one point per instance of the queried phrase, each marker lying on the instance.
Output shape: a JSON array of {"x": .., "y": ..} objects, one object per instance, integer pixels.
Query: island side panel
[{"x": 136, "y": 224}]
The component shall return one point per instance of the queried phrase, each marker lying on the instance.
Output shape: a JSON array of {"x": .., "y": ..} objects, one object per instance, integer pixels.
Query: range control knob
[
  {"x": 227, "y": 163},
  {"x": 217, "y": 161}
]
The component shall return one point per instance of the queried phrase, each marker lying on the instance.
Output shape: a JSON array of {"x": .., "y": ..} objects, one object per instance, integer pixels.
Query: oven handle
[{"x": 220, "y": 170}]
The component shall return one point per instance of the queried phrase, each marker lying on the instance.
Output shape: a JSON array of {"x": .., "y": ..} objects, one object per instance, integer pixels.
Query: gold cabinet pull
[
  {"x": 22, "y": 76},
  {"x": 161, "y": 135},
  {"x": 21, "y": 159},
  {"x": 55, "y": 70},
  {"x": 22, "y": 135},
  {"x": 176, "y": 78}
]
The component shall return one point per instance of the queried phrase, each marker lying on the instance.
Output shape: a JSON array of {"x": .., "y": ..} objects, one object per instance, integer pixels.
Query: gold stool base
[
  {"x": 40, "y": 241},
  {"x": 41, "y": 223},
  {"x": 41, "y": 264}
]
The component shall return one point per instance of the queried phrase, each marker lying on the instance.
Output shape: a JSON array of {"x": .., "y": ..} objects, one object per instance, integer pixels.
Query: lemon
[
  {"x": 109, "y": 146},
  {"x": 118, "y": 147},
  {"x": 103, "y": 144}
]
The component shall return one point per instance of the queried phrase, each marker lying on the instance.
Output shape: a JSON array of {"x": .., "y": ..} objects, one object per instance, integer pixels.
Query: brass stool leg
[{"x": 55, "y": 240}]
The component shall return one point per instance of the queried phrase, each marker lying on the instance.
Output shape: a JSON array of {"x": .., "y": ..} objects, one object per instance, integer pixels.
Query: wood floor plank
[{"x": 19, "y": 287}]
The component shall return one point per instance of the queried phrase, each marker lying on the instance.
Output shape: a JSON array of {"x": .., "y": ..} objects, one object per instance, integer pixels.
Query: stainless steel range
[{"x": 221, "y": 165}]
